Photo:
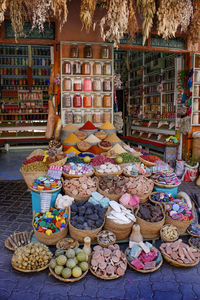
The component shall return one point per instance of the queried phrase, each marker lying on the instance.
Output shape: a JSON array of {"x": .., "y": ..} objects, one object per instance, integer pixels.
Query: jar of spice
[
  {"x": 97, "y": 68},
  {"x": 77, "y": 117},
  {"x": 74, "y": 51},
  {"x": 107, "y": 69},
  {"x": 86, "y": 68},
  {"x": 96, "y": 85},
  {"x": 88, "y": 51},
  {"x": 66, "y": 67},
  {"x": 107, "y": 85},
  {"x": 107, "y": 101},
  {"x": 77, "y": 68},
  {"x": 195, "y": 105},
  {"x": 87, "y": 101},
  {"x": 67, "y": 84},
  {"x": 97, "y": 101},
  {"x": 67, "y": 101},
  {"x": 68, "y": 117},
  {"x": 87, "y": 85},
  {"x": 77, "y": 101},
  {"x": 87, "y": 116},
  {"x": 104, "y": 52},
  {"x": 106, "y": 116},
  {"x": 97, "y": 116},
  {"x": 195, "y": 118},
  {"x": 196, "y": 91},
  {"x": 77, "y": 84}
]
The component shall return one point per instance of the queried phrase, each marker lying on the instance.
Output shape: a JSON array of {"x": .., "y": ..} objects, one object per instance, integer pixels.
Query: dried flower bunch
[
  {"x": 3, "y": 7},
  {"x": 171, "y": 14},
  {"x": 132, "y": 20},
  {"x": 87, "y": 13},
  {"x": 195, "y": 22},
  {"x": 148, "y": 8},
  {"x": 60, "y": 10},
  {"x": 16, "y": 7}
]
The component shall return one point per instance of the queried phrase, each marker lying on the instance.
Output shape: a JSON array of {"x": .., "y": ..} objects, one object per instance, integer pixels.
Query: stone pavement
[{"x": 16, "y": 214}]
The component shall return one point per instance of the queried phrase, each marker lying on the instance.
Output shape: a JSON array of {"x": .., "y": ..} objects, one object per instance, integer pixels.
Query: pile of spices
[
  {"x": 150, "y": 158},
  {"x": 71, "y": 139},
  {"x": 75, "y": 159},
  {"x": 107, "y": 125},
  {"x": 72, "y": 149},
  {"x": 33, "y": 159},
  {"x": 95, "y": 150},
  {"x": 113, "y": 138},
  {"x": 81, "y": 134},
  {"x": 92, "y": 139},
  {"x": 128, "y": 158},
  {"x": 70, "y": 127},
  {"x": 88, "y": 126},
  {"x": 35, "y": 166},
  {"x": 101, "y": 159},
  {"x": 117, "y": 149}
]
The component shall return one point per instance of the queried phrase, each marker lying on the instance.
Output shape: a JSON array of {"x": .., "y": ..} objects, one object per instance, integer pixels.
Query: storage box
[{"x": 36, "y": 206}]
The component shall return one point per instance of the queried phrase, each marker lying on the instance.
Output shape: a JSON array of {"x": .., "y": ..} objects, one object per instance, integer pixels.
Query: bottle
[{"x": 87, "y": 245}]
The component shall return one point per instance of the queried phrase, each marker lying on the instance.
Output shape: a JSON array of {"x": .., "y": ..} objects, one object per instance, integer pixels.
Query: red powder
[
  {"x": 95, "y": 150},
  {"x": 88, "y": 126}
]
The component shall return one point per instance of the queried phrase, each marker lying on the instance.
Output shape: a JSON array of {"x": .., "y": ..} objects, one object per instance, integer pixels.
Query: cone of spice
[
  {"x": 107, "y": 125},
  {"x": 92, "y": 139},
  {"x": 72, "y": 139},
  {"x": 118, "y": 149},
  {"x": 72, "y": 149},
  {"x": 95, "y": 150},
  {"x": 66, "y": 130},
  {"x": 113, "y": 139},
  {"x": 89, "y": 128}
]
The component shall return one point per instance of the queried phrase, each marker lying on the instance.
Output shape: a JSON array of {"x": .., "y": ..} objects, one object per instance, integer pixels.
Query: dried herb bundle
[
  {"x": 87, "y": 13},
  {"x": 195, "y": 23},
  {"x": 171, "y": 14},
  {"x": 132, "y": 20},
  {"x": 3, "y": 7},
  {"x": 40, "y": 13},
  {"x": 17, "y": 20},
  {"x": 60, "y": 11},
  {"x": 148, "y": 8}
]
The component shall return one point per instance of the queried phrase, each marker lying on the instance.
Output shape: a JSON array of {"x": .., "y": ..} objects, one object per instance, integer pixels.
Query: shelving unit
[
  {"x": 79, "y": 97},
  {"x": 195, "y": 115},
  {"x": 23, "y": 112}
]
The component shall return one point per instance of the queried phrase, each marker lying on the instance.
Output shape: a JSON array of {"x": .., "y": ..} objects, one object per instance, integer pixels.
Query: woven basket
[
  {"x": 151, "y": 230},
  {"x": 29, "y": 177},
  {"x": 76, "y": 176},
  {"x": 106, "y": 277},
  {"x": 114, "y": 197},
  {"x": 168, "y": 186},
  {"x": 81, "y": 137},
  {"x": 108, "y": 244},
  {"x": 20, "y": 238},
  {"x": 178, "y": 264},
  {"x": 181, "y": 225},
  {"x": 147, "y": 163},
  {"x": 67, "y": 243},
  {"x": 29, "y": 271},
  {"x": 45, "y": 191},
  {"x": 129, "y": 175},
  {"x": 104, "y": 148},
  {"x": 59, "y": 163},
  {"x": 101, "y": 137},
  {"x": 190, "y": 243},
  {"x": 76, "y": 197},
  {"x": 113, "y": 174},
  {"x": 153, "y": 201},
  {"x": 167, "y": 240},
  {"x": 69, "y": 279},
  {"x": 192, "y": 234},
  {"x": 36, "y": 152},
  {"x": 144, "y": 271},
  {"x": 83, "y": 149}
]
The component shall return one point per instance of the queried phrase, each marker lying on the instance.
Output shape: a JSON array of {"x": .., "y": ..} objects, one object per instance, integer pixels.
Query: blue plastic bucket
[
  {"x": 36, "y": 207},
  {"x": 172, "y": 191}
]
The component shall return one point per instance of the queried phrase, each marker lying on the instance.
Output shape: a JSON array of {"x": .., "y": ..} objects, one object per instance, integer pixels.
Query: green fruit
[
  {"x": 76, "y": 272},
  {"x": 84, "y": 266},
  {"x": 58, "y": 269},
  {"x": 70, "y": 253},
  {"x": 52, "y": 263},
  {"x": 76, "y": 260},
  {"x": 59, "y": 252},
  {"x": 66, "y": 273},
  {"x": 86, "y": 159},
  {"x": 71, "y": 263},
  {"x": 81, "y": 256},
  {"x": 61, "y": 260},
  {"x": 77, "y": 250},
  {"x": 119, "y": 160}
]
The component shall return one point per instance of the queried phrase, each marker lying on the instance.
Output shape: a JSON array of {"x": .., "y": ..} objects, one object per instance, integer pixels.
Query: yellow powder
[
  {"x": 113, "y": 138},
  {"x": 70, "y": 127},
  {"x": 71, "y": 139},
  {"x": 107, "y": 125},
  {"x": 72, "y": 149},
  {"x": 118, "y": 149}
]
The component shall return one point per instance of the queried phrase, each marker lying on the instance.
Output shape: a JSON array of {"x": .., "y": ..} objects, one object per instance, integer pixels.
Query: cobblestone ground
[{"x": 15, "y": 215}]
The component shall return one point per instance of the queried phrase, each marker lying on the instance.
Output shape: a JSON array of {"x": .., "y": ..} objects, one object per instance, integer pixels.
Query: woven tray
[
  {"x": 59, "y": 163},
  {"x": 178, "y": 264},
  {"x": 147, "y": 163},
  {"x": 70, "y": 243},
  {"x": 75, "y": 176},
  {"x": 190, "y": 243},
  {"x": 144, "y": 271},
  {"x": 106, "y": 245},
  {"x": 194, "y": 235},
  {"x": 11, "y": 247},
  {"x": 67, "y": 280},
  {"x": 166, "y": 240},
  {"x": 153, "y": 201},
  {"x": 104, "y": 148},
  {"x": 105, "y": 277},
  {"x": 168, "y": 186},
  {"x": 29, "y": 271},
  {"x": 112, "y": 174}
]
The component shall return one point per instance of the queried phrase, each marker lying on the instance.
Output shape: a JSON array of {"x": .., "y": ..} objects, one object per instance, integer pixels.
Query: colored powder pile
[
  {"x": 107, "y": 125},
  {"x": 88, "y": 126},
  {"x": 95, "y": 150},
  {"x": 100, "y": 160},
  {"x": 118, "y": 149},
  {"x": 70, "y": 127},
  {"x": 71, "y": 139},
  {"x": 72, "y": 149},
  {"x": 113, "y": 138},
  {"x": 92, "y": 139}
]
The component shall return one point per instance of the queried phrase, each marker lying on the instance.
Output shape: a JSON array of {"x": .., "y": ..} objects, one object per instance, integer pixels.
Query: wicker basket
[
  {"x": 83, "y": 149},
  {"x": 129, "y": 175},
  {"x": 104, "y": 148},
  {"x": 153, "y": 201},
  {"x": 190, "y": 243},
  {"x": 108, "y": 244},
  {"x": 178, "y": 264},
  {"x": 29, "y": 177},
  {"x": 167, "y": 240},
  {"x": 181, "y": 225},
  {"x": 69, "y": 279},
  {"x": 20, "y": 238},
  {"x": 192, "y": 234},
  {"x": 114, "y": 197},
  {"x": 29, "y": 271},
  {"x": 36, "y": 152},
  {"x": 59, "y": 163},
  {"x": 168, "y": 186},
  {"x": 67, "y": 243},
  {"x": 106, "y": 277},
  {"x": 83, "y": 137},
  {"x": 101, "y": 137},
  {"x": 147, "y": 163},
  {"x": 46, "y": 191},
  {"x": 103, "y": 174},
  {"x": 76, "y": 176},
  {"x": 151, "y": 230},
  {"x": 144, "y": 271}
]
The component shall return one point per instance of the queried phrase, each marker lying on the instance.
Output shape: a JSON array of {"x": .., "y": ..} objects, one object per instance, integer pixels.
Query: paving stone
[
  {"x": 4, "y": 294},
  {"x": 187, "y": 275},
  {"x": 196, "y": 289},
  {"x": 160, "y": 295},
  {"x": 131, "y": 289},
  {"x": 145, "y": 291},
  {"x": 7, "y": 284},
  {"x": 165, "y": 286},
  {"x": 43, "y": 296},
  {"x": 23, "y": 295},
  {"x": 187, "y": 291},
  {"x": 108, "y": 293}
]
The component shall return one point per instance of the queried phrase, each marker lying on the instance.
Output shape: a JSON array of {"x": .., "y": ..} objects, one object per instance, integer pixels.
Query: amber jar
[
  {"x": 67, "y": 84},
  {"x": 97, "y": 68},
  {"x": 77, "y": 101},
  {"x": 88, "y": 51},
  {"x": 107, "y": 101},
  {"x": 107, "y": 69},
  {"x": 77, "y": 68},
  {"x": 97, "y": 101},
  {"x": 66, "y": 68},
  {"x": 67, "y": 101},
  {"x": 87, "y": 101},
  {"x": 74, "y": 51},
  {"x": 104, "y": 52},
  {"x": 96, "y": 85},
  {"x": 77, "y": 85},
  {"x": 97, "y": 116},
  {"x": 107, "y": 85},
  {"x": 86, "y": 68}
]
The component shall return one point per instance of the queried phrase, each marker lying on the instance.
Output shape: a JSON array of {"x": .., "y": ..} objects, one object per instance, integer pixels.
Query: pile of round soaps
[
  {"x": 82, "y": 186},
  {"x": 179, "y": 210},
  {"x": 77, "y": 169},
  {"x": 137, "y": 169},
  {"x": 46, "y": 183},
  {"x": 108, "y": 168},
  {"x": 139, "y": 185},
  {"x": 112, "y": 184}
]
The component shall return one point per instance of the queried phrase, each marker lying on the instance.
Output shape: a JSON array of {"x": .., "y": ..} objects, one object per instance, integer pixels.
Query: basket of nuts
[{"x": 169, "y": 233}]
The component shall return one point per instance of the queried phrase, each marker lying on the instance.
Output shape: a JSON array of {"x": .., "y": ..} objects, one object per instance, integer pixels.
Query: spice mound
[
  {"x": 35, "y": 166},
  {"x": 169, "y": 232},
  {"x": 139, "y": 185},
  {"x": 81, "y": 134},
  {"x": 54, "y": 144},
  {"x": 161, "y": 197},
  {"x": 113, "y": 138},
  {"x": 32, "y": 256},
  {"x": 83, "y": 186},
  {"x": 143, "y": 256},
  {"x": 166, "y": 178},
  {"x": 75, "y": 159},
  {"x": 77, "y": 169},
  {"x": 137, "y": 169},
  {"x": 150, "y": 213},
  {"x": 116, "y": 149},
  {"x": 150, "y": 158},
  {"x": 72, "y": 139},
  {"x": 92, "y": 139},
  {"x": 106, "y": 237},
  {"x": 87, "y": 216},
  {"x": 70, "y": 127},
  {"x": 180, "y": 252},
  {"x": 108, "y": 262},
  {"x": 101, "y": 134},
  {"x": 107, "y": 125},
  {"x": 119, "y": 214},
  {"x": 108, "y": 168},
  {"x": 83, "y": 145},
  {"x": 33, "y": 159},
  {"x": 112, "y": 184},
  {"x": 178, "y": 210},
  {"x": 95, "y": 150},
  {"x": 100, "y": 160},
  {"x": 88, "y": 126},
  {"x": 128, "y": 157},
  {"x": 46, "y": 183},
  {"x": 72, "y": 150},
  {"x": 51, "y": 222},
  {"x": 105, "y": 144}
]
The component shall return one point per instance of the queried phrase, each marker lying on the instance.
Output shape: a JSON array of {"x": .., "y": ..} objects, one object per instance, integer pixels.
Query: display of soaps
[
  {"x": 97, "y": 198},
  {"x": 108, "y": 168},
  {"x": 179, "y": 210},
  {"x": 137, "y": 169},
  {"x": 161, "y": 197},
  {"x": 77, "y": 169},
  {"x": 119, "y": 214},
  {"x": 112, "y": 184},
  {"x": 82, "y": 186},
  {"x": 46, "y": 183},
  {"x": 166, "y": 178}
]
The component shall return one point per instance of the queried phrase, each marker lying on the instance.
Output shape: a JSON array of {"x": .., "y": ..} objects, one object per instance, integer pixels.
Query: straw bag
[
  {"x": 151, "y": 230},
  {"x": 29, "y": 177}
]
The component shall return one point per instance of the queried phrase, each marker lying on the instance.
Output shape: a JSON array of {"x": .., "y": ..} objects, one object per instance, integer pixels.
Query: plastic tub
[{"x": 36, "y": 206}]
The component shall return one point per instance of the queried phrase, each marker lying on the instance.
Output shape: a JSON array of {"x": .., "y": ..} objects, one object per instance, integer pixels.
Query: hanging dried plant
[
  {"x": 113, "y": 26},
  {"x": 148, "y": 8},
  {"x": 132, "y": 21},
  {"x": 60, "y": 11},
  {"x": 87, "y": 13},
  {"x": 3, "y": 7},
  {"x": 17, "y": 18},
  {"x": 40, "y": 12},
  {"x": 194, "y": 28},
  {"x": 171, "y": 14}
]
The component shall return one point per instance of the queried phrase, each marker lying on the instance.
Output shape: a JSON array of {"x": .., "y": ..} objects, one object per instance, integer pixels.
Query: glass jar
[
  {"x": 67, "y": 101},
  {"x": 97, "y": 116},
  {"x": 197, "y": 76},
  {"x": 87, "y": 86},
  {"x": 196, "y": 91},
  {"x": 77, "y": 84},
  {"x": 97, "y": 68},
  {"x": 195, "y": 105},
  {"x": 88, "y": 51},
  {"x": 77, "y": 101},
  {"x": 68, "y": 117},
  {"x": 77, "y": 117},
  {"x": 195, "y": 119},
  {"x": 87, "y": 101},
  {"x": 107, "y": 69},
  {"x": 106, "y": 116},
  {"x": 77, "y": 68},
  {"x": 107, "y": 101},
  {"x": 74, "y": 51},
  {"x": 107, "y": 85},
  {"x": 104, "y": 52},
  {"x": 96, "y": 85},
  {"x": 66, "y": 67},
  {"x": 97, "y": 101},
  {"x": 67, "y": 84},
  {"x": 86, "y": 68},
  {"x": 87, "y": 116}
]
